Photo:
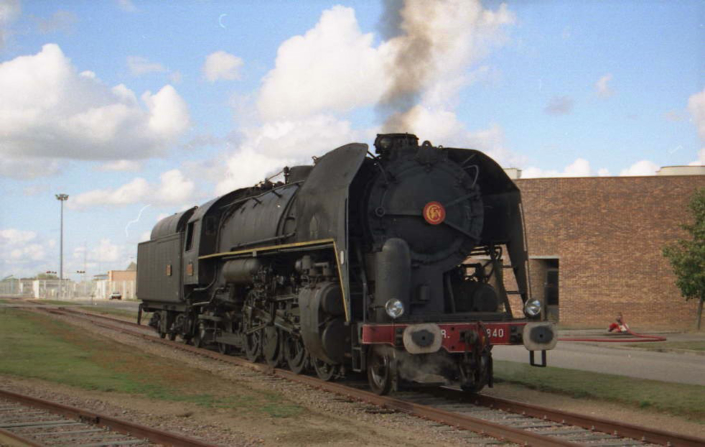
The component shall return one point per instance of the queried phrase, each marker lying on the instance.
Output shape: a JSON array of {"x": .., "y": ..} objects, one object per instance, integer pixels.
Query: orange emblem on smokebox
[{"x": 434, "y": 213}]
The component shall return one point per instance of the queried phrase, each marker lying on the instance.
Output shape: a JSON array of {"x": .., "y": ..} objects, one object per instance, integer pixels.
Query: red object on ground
[{"x": 622, "y": 328}]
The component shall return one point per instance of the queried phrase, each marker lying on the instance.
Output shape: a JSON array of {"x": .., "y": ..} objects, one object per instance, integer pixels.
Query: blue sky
[{"x": 235, "y": 90}]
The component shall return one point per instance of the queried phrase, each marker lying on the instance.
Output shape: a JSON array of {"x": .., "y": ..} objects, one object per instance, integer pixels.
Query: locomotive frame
[{"x": 358, "y": 263}]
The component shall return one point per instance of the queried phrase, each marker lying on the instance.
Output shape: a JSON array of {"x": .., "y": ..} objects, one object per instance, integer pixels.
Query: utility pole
[{"x": 61, "y": 198}]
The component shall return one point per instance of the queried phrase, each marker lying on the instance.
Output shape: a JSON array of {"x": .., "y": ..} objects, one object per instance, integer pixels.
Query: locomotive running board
[{"x": 324, "y": 243}]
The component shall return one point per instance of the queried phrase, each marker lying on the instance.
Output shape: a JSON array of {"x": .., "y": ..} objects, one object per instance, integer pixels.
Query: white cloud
[
  {"x": 106, "y": 252},
  {"x": 300, "y": 96},
  {"x": 223, "y": 66},
  {"x": 120, "y": 165},
  {"x": 176, "y": 77},
  {"x": 640, "y": 168},
  {"x": 172, "y": 189},
  {"x": 27, "y": 169},
  {"x": 20, "y": 252},
  {"x": 139, "y": 65},
  {"x": 126, "y": 5},
  {"x": 559, "y": 105},
  {"x": 443, "y": 127},
  {"x": 701, "y": 159},
  {"x": 270, "y": 147},
  {"x": 602, "y": 87},
  {"x": 579, "y": 168},
  {"x": 12, "y": 237},
  {"x": 35, "y": 190},
  {"x": 696, "y": 107},
  {"x": 673, "y": 116},
  {"x": 49, "y": 109},
  {"x": 9, "y": 12},
  {"x": 311, "y": 68},
  {"x": 60, "y": 21}
]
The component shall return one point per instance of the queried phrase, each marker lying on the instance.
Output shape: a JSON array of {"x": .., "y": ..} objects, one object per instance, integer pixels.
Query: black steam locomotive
[{"x": 390, "y": 263}]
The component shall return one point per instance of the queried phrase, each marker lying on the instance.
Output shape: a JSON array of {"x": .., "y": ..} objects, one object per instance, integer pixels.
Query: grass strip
[
  {"x": 116, "y": 312},
  {"x": 671, "y": 398},
  {"x": 37, "y": 346},
  {"x": 671, "y": 345},
  {"x": 55, "y": 302}
]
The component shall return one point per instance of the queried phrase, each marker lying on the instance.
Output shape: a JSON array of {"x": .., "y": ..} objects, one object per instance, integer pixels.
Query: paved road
[{"x": 663, "y": 366}]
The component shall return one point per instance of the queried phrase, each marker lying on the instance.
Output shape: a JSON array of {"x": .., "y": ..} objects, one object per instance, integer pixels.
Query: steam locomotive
[{"x": 390, "y": 264}]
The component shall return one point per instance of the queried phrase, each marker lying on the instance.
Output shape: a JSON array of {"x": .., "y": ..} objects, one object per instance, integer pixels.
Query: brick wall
[
  {"x": 122, "y": 275},
  {"x": 608, "y": 233}
]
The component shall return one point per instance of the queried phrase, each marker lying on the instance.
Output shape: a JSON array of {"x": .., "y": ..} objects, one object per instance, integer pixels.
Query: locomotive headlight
[
  {"x": 394, "y": 308},
  {"x": 532, "y": 308}
]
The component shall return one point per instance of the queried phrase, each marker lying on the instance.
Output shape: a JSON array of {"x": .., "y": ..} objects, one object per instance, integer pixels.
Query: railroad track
[
  {"x": 505, "y": 420},
  {"x": 28, "y": 421}
]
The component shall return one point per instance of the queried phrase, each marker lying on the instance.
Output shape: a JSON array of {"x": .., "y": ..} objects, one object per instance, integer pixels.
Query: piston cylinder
[
  {"x": 393, "y": 276},
  {"x": 241, "y": 271}
]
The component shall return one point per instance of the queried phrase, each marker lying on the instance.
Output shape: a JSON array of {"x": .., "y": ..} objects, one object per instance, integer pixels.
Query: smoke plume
[
  {"x": 410, "y": 70},
  {"x": 432, "y": 44}
]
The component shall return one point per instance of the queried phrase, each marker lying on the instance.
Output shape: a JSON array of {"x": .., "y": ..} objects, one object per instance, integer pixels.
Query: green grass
[
  {"x": 39, "y": 347},
  {"x": 671, "y": 398},
  {"x": 115, "y": 312},
  {"x": 56, "y": 302},
  {"x": 671, "y": 345}
]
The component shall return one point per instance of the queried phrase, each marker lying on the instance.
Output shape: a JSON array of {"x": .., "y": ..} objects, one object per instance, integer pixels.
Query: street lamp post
[{"x": 61, "y": 198}]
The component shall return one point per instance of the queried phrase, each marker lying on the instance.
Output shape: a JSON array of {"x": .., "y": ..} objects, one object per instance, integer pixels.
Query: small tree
[{"x": 687, "y": 256}]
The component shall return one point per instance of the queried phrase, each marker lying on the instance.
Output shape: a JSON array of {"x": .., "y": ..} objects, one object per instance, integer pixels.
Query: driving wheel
[
  {"x": 295, "y": 354},
  {"x": 324, "y": 371},
  {"x": 380, "y": 372}
]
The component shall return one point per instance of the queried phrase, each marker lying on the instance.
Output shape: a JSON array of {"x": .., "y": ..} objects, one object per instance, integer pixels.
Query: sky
[{"x": 137, "y": 110}]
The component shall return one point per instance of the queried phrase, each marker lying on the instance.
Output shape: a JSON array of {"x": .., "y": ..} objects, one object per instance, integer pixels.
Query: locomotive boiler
[{"x": 402, "y": 264}]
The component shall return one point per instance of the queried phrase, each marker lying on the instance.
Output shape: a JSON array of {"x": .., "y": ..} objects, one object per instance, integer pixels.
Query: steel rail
[
  {"x": 130, "y": 428},
  {"x": 644, "y": 434},
  {"x": 461, "y": 421},
  {"x": 623, "y": 429},
  {"x": 15, "y": 440}
]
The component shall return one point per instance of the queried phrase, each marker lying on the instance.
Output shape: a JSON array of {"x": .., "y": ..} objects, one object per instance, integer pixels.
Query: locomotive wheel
[
  {"x": 295, "y": 354},
  {"x": 271, "y": 346},
  {"x": 253, "y": 345},
  {"x": 380, "y": 373},
  {"x": 224, "y": 349},
  {"x": 199, "y": 338},
  {"x": 172, "y": 336},
  {"x": 324, "y": 371}
]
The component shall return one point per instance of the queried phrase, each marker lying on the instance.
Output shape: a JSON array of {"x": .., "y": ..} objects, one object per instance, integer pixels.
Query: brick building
[
  {"x": 595, "y": 246},
  {"x": 123, "y": 281}
]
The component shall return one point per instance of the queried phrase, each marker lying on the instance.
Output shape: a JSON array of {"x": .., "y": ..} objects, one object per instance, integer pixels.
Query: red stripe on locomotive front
[{"x": 499, "y": 334}]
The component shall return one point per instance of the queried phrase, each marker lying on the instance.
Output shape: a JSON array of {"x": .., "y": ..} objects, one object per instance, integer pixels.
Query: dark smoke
[
  {"x": 390, "y": 22},
  {"x": 411, "y": 68}
]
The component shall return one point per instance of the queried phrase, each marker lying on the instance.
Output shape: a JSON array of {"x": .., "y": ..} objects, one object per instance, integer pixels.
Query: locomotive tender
[{"x": 389, "y": 264}]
